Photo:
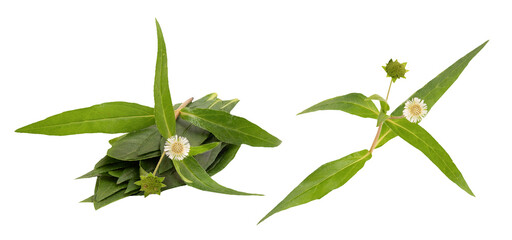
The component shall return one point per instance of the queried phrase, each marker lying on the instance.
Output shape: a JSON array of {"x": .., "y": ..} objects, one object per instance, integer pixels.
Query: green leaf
[
  {"x": 106, "y": 187},
  {"x": 223, "y": 159},
  {"x": 203, "y": 148},
  {"x": 418, "y": 137},
  {"x": 111, "y": 117},
  {"x": 229, "y": 128},
  {"x": 100, "y": 171},
  {"x": 164, "y": 112},
  {"x": 113, "y": 140},
  {"x": 172, "y": 179},
  {"x": 382, "y": 117},
  {"x": 88, "y": 200},
  {"x": 116, "y": 173},
  {"x": 353, "y": 103},
  {"x": 138, "y": 145},
  {"x": 106, "y": 161},
  {"x": 110, "y": 199},
  {"x": 204, "y": 102},
  {"x": 225, "y": 106},
  {"x": 195, "y": 176},
  {"x": 132, "y": 187},
  {"x": 128, "y": 174},
  {"x": 326, "y": 178},
  {"x": 195, "y": 135},
  {"x": 384, "y": 106},
  {"x": 207, "y": 158},
  {"x": 433, "y": 90}
]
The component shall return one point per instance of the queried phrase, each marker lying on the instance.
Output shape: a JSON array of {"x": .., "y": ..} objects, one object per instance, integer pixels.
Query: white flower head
[
  {"x": 177, "y": 147},
  {"x": 415, "y": 110}
]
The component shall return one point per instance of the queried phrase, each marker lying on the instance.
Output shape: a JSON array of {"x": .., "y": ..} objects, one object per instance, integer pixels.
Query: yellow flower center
[
  {"x": 415, "y": 110},
  {"x": 177, "y": 148}
]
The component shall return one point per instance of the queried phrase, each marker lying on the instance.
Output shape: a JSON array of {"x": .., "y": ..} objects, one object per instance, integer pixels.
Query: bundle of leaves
[
  {"x": 140, "y": 150},
  {"x": 137, "y": 162}
]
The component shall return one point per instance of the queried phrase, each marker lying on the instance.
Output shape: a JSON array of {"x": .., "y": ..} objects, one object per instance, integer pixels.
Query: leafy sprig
[
  {"x": 138, "y": 162},
  {"x": 335, "y": 174}
]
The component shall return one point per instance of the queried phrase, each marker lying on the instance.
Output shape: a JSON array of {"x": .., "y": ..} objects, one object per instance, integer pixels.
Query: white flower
[
  {"x": 177, "y": 147},
  {"x": 415, "y": 110}
]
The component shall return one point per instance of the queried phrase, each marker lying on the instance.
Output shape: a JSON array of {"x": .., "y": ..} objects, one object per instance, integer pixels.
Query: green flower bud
[
  {"x": 395, "y": 70},
  {"x": 150, "y": 184}
]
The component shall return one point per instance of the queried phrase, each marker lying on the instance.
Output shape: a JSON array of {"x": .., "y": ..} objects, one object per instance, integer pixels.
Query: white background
[{"x": 278, "y": 58}]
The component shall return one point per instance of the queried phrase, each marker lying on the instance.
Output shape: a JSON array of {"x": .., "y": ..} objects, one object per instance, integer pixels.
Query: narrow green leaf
[
  {"x": 229, "y": 128},
  {"x": 225, "y": 106},
  {"x": 111, "y": 117},
  {"x": 326, "y": 178},
  {"x": 195, "y": 135},
  {"x": 207, "y": 158},
  {"x": 88, "y": 200},
  {"x": 106, "y": 161},
  {"x": 138, "y": 145},
  {"x": 116, "y": 173},
  {"x": 353, "y": 103},
  {"x": 106, "y": 187},
  {"x": 203, "y": 148},
  {"x": 223, "y": 159},
  {"x": 433, "y": 90},
  {"x": 171, "y": 179},
  {"x": 204, "y": 102},
  {"x": 100, "y": 171},
  {"x": 228, "y": 105},
  {"x": 128, "y": 174},
  {"x": 113, "y": 140},
  {"x": 382, "y": 117},
  {"x": 164, "y": 112},
  {"x": 384, "y": 106},
  {"x": 112, "y": 198},
  {"x": 195, "y": 176},
  {"x": 419, "y": 138},
  {"x": 132, "y": 186}
]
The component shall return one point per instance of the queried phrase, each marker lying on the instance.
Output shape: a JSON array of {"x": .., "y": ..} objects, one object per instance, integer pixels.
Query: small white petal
[
  {"x": 415, "y": 110},
  {"x": 177, "y": 147}
]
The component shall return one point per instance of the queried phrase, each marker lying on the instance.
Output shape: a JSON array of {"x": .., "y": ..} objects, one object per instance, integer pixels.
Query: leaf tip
[
  {"x": 305, "y": 111},
  {"x": 265, "y": 217},
  {"x": 470, "y": 192},
  {"x": 211, "y": 96}
]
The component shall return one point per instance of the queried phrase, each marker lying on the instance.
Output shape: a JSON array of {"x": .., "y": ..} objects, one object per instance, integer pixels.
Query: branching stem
[
  {"x": 376, "y": 139},
  {"x": 176, "y": 114}
]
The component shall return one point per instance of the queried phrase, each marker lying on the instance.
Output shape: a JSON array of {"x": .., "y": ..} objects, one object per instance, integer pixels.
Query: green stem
[
  {"x": 158, "y": 164},
  {"x": 395, "y": 117},
  {"x": 374, "y": 143},
  {"x": 389, "y": 89},
  {"x": 376, "y": 139}
]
